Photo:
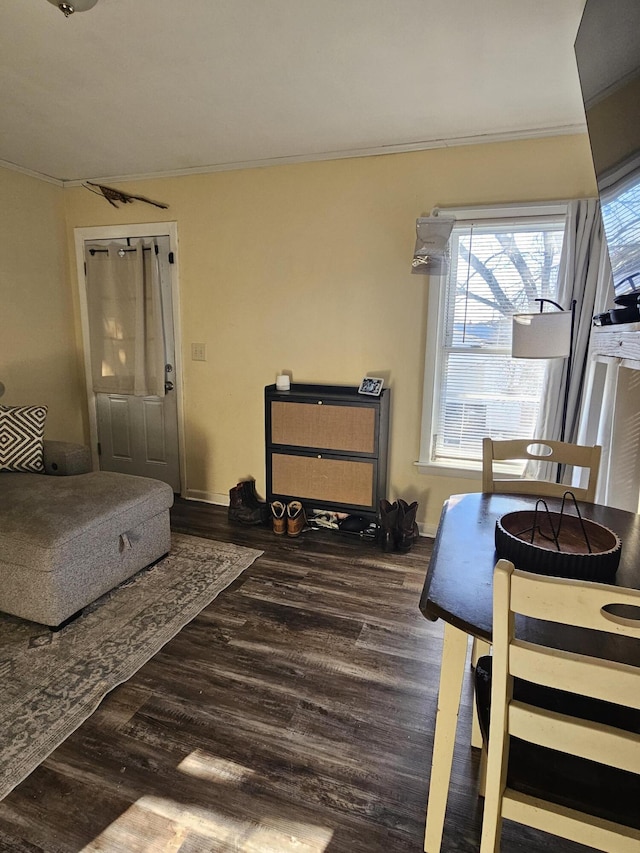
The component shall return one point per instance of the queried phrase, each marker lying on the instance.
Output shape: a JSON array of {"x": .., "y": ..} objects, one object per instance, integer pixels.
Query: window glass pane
[
  {"x": 497, "y": 270},
  {"x": 621, "y": 217},
  {"x": 485, "y": 394}
]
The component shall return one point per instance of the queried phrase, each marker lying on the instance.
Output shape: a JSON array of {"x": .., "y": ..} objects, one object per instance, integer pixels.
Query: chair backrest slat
[
  {"x": 563, "y": 453},
  {"x": 573, "y": 602},
  {"x": 588, "y": 739},
  {"x": 575, "y": 673}
]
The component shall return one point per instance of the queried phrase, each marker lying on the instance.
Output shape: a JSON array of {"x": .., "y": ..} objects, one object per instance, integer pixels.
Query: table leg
[{"x": 454, "y": 655}]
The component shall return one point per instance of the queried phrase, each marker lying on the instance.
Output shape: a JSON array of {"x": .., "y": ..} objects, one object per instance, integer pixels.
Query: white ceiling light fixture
[{"x": 74, "y": 6}]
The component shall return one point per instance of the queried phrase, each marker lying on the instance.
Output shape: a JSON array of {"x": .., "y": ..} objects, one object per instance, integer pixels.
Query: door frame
[{"x": 115, "y": 232}]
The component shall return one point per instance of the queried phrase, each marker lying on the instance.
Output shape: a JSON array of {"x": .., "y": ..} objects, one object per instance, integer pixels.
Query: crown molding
[
  {"x": 13, "y": 167},
  {"x": 402, "y": 148}
]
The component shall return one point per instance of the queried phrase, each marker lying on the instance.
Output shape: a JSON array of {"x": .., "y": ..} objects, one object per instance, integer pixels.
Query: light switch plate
[{"x": 198, "y": 352}]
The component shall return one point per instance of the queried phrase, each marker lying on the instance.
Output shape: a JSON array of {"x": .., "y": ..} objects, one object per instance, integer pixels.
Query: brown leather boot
[
  {"x": 388, "y": 521},
  {"x": 240, "y": 510},
  {"x": 406, "y": 528},
  {"x": 296, "y": 519},
  {"x": 251, "y": 499}
]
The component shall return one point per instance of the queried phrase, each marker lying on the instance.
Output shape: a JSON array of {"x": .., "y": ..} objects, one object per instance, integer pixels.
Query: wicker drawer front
[
  {"x": 311, "y": 478},
  {"x": 346, "y": 428}
]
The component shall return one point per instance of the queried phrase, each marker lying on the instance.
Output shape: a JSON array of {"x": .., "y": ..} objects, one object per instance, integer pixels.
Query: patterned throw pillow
[{"x": 21, "y": 438}]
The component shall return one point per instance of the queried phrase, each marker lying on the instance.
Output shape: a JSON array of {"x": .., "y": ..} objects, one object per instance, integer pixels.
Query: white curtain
[
  {"x": 598, "y": 405},
  {"x": 125, "y": 319},
  {"x": 578, "y": 279},
  {"x": 581, "y": 266}
]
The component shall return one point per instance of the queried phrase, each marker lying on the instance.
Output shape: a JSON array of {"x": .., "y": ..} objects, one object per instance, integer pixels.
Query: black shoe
[
  {"x": 388, "y": 522},
  {"x": 406, "y": 528},
  {"x": 242, "y": 511},
  {"x": 251, "y": 499}
]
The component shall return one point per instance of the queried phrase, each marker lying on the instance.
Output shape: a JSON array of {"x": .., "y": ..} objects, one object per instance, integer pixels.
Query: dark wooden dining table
[{"x": 459, "y": 590}]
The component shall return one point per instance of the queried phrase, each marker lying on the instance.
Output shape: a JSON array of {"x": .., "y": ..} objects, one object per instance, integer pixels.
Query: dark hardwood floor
[{"x": 295, "y": 713}]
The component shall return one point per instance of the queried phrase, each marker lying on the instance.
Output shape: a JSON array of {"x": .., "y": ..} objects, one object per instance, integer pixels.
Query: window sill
[{"x": 469, "y": 470}]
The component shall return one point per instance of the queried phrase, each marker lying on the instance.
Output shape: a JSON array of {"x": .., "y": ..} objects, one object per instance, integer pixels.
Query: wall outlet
[{"x": 198, "y": 352}]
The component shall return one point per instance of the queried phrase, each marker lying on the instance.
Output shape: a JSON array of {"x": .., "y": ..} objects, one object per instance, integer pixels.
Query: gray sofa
[{"x": 72, "y": 534}]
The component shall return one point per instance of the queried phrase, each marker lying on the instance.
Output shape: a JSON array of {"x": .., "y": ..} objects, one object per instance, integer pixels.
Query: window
[
  {"x": 620, "y": 205},
  {"x": 500, "y": 262}
]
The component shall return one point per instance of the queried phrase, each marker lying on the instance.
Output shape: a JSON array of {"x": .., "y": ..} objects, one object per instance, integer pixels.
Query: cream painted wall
[
  {"x": 38, "y": 362},
  {"x": 306, "y": 268}
]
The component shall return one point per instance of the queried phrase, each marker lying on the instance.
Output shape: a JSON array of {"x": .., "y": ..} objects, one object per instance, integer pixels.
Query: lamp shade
[{"x": 544, "y": 335}]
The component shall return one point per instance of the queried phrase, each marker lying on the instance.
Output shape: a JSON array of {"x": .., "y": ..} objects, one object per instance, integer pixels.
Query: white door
[{"x": 139, "y": 435}]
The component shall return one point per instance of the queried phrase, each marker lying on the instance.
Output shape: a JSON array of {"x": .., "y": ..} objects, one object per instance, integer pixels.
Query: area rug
[{"x": 51, "y": 682}]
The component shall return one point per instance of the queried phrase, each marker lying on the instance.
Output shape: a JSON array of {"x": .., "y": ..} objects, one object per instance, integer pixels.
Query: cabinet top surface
[{"x": 339, "y": 392}]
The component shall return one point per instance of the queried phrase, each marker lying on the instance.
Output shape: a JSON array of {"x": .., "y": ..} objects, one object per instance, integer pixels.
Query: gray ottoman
[{"x": 66, "y": 540}]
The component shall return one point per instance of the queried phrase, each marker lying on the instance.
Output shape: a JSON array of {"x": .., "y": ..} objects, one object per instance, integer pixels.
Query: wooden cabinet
[{"x": 326, "y": 445}]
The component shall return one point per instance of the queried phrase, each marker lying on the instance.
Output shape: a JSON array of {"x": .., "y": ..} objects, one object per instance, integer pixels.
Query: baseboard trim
[
  {"x": 206, "y": 497},
  {"x": 427, "y": 530}
]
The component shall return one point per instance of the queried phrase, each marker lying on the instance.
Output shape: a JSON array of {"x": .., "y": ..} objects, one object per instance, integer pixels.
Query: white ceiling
[{"x": 143, "y": 87}]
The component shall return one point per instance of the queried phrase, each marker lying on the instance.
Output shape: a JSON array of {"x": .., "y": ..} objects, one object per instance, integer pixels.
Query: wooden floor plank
[{"x": 295, "y": 713}]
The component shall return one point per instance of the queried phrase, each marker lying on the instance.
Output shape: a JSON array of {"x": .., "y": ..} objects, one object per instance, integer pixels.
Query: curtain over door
[
  {"x": 132, "y": 356},
  {"x": 125, "y": 320}
]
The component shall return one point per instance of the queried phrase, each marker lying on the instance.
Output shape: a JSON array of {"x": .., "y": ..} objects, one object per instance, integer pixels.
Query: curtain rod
[{"x": 103, "y": 251}]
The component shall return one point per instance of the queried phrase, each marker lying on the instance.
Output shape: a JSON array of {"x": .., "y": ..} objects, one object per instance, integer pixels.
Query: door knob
[{"x": 168, "y": 386}]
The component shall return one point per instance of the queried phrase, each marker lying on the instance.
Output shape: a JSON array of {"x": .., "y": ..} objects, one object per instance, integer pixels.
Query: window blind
[{"x": 498, "y": 268}]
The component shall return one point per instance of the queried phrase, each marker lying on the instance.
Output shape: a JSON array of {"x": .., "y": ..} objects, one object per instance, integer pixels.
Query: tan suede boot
[
  {"x": 279, "y": 518},
  {"x": 296, "y": 519}
]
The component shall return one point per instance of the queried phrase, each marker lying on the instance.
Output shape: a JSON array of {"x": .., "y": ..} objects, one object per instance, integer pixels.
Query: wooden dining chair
[
  {"x": 564, "y": 734},
  {"x": 560, "y": 452}
]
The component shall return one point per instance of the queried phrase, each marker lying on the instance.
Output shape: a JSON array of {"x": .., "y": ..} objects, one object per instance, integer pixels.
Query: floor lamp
[{"x": 547, "y": 334}]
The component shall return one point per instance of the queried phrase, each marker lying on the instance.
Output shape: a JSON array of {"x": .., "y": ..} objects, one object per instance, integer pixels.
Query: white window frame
[{"x": 435, "y": 331}]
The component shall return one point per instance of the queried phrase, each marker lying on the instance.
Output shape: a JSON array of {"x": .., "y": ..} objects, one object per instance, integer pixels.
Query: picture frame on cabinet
[{"x": 371, "y": 385}]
